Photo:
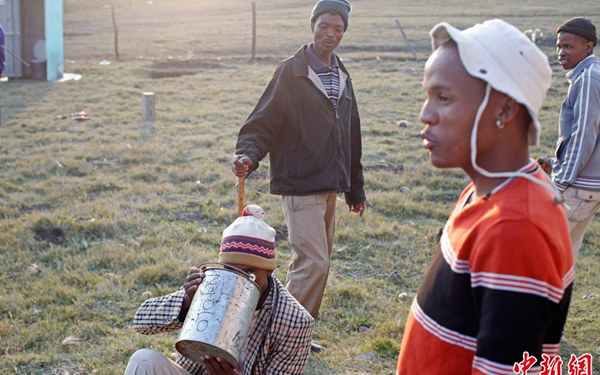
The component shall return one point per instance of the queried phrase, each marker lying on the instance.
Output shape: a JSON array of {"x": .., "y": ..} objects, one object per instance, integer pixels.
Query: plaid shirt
[{"x": 279, "y": 339}]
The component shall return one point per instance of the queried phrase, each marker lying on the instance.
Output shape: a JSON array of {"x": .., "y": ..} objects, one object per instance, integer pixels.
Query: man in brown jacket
[{"x": 307, "y": 121}]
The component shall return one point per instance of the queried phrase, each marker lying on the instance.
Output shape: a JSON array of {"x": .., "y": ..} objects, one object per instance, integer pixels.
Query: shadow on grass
[{"x": 13, "y": 102}]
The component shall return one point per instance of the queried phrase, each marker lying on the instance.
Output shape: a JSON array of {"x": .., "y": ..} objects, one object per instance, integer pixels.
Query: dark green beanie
[{"x": 341, "y": 7}]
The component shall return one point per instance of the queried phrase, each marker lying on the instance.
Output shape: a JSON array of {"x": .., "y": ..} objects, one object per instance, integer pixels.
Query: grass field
[{"x": 98, "y": 215}]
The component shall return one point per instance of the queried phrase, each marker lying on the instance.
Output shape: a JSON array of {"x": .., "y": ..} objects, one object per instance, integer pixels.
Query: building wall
[
  {"x": 10, "y": 20},
  {"x": 27, "y": 22}
]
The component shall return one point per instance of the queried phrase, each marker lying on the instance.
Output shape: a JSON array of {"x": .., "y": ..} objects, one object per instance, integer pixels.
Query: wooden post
[
  {"x": 148, "y": 106},
  {"x": 112, "y": 10},
  {"x": 407, "y": 41},
  {"x": 253, "y": 31},
  {"x": 240, "y": 195}
]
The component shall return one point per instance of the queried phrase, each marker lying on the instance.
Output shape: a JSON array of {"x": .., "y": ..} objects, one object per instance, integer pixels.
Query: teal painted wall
[{"x": 55, "y": 67}]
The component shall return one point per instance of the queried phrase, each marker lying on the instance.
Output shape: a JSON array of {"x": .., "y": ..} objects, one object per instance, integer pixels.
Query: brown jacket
[{"x": 312, "y": 147}]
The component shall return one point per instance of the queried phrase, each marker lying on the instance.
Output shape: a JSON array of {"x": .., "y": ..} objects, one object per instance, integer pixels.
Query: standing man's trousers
[
  {"x": 582, "y": 206},
  {"x": 310, "y": 220}
]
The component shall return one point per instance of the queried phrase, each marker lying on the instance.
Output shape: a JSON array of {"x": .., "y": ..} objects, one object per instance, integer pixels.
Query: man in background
[
  {"x": 307, "y": 121},
  {"x": 575, "y": 169}
]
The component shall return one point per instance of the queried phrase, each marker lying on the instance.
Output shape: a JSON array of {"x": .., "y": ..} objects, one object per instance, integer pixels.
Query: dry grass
[{"x": 134, "y": 204}]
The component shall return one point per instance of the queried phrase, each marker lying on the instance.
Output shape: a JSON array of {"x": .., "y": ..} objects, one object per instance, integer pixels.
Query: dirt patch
[
  {"x": 171, "y": 74},
  {"x": 353, "y": 48},
  {"x": 186, "y": 64},
  {"x": 179, "y": 68},
  {"x": 53, "y": 235},
  {"x": 37, "y": 207}
]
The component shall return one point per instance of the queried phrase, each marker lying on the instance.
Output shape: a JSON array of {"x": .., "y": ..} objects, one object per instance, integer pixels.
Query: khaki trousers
[
  {"x": 582, "y": 206},
  {"x": 310, "y": 221},
  {"x": 149, "y": 362}
]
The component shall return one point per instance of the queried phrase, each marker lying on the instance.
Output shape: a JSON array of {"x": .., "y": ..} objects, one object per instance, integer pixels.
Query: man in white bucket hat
[
  {"x": 500, "y": 284},
  {"x": 281, "y": 329}
]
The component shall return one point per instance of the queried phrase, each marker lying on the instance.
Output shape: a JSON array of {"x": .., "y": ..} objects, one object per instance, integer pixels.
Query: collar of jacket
[
  {"x": 301, "y": 69},
  {"x": 301, "y": 63},
  {"x": 575, "y": 72}
]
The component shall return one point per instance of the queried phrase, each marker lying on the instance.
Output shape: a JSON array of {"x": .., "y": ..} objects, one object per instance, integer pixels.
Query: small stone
[
  {"x": 71, "y": 340},
  {"x": 394, "y": 275},
  {"x": 34, "y": 269},
  {"x": 367, "y": 355}
]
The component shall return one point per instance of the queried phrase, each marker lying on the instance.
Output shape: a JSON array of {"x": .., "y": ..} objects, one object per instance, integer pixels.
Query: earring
[{"x": 499, "y": 124}]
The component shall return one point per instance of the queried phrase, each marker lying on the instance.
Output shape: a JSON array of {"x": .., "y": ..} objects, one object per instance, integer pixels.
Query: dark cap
[
  {"x": 341, "y": 7},
  {"x": 580, "y": 26}
]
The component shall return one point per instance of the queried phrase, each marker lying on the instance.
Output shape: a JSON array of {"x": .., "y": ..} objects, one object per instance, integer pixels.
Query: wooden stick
[
  {"x": 240, "y": 195},
  {"x": 112, "y": 11},
  {"x": 13, "y": 55}
]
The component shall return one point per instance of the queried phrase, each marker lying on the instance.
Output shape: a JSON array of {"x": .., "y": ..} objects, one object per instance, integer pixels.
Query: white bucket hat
[{"x": 501, "y": 55}]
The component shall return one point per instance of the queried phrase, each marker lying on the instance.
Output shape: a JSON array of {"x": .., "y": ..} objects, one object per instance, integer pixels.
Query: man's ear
[
  {"x": 589, "y": 47},
  {"x": 509, "y": 109},
  {"x": 312, "y": 27}
]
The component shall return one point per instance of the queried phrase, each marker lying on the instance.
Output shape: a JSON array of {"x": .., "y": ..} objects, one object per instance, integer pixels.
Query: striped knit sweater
[{"x": 577, "y": 161}]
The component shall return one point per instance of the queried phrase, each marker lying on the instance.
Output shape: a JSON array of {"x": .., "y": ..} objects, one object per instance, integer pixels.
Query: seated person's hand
[
  {"x": 219, "y": 366},
  {"x": 190, "y": 285}
]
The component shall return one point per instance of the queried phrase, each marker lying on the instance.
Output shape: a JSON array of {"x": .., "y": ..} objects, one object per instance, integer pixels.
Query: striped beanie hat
[{"x": 249, "y": 241}]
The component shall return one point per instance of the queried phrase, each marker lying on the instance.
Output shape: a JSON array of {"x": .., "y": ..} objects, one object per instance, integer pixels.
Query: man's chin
[{"x": 565, "y": 65}]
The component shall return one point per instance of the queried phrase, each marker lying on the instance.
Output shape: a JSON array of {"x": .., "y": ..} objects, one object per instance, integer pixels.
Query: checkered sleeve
[
  {"x": 159, "y": 315},
  {"x": 293, "y": 326}
]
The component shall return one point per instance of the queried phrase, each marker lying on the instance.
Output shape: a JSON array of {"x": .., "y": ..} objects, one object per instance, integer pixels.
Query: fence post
[
  {"x": 112, "y": 11},
  {"x": 148, "y": 113},
  {"x": 253, "y": 31}
]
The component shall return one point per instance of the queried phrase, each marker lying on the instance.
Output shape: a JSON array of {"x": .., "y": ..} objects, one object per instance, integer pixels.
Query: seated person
[{"x": 281, "y": 329}]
